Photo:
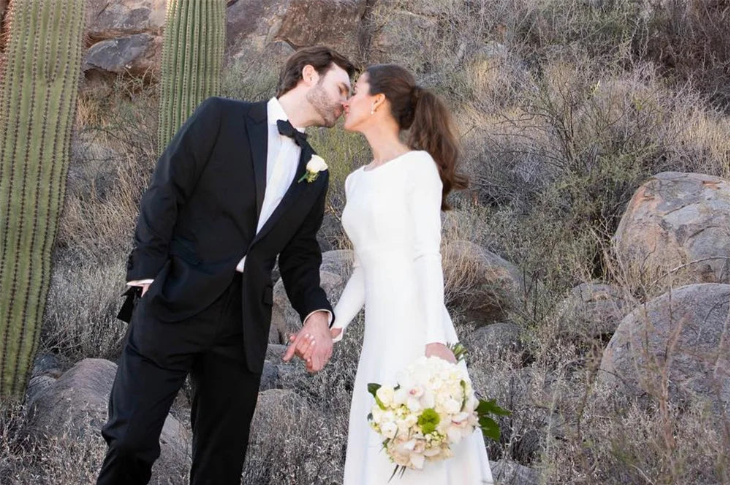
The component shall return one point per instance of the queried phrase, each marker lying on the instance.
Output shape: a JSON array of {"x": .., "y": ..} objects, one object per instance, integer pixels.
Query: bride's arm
[
  {"x": 424, "y": 199},
  {"x": 351, "y": 301}
]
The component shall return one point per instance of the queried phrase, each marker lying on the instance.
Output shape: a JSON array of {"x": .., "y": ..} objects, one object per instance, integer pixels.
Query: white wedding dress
[{"x": 392, "y": 217}]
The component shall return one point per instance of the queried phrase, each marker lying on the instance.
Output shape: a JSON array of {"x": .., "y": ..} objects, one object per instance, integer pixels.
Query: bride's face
[{"x": 358, "y": 107}]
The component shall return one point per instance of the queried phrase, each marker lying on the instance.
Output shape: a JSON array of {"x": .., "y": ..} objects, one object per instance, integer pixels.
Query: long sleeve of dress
[
  {"x": 424, "y": 200},
  {"x": 352, "y": 299}
]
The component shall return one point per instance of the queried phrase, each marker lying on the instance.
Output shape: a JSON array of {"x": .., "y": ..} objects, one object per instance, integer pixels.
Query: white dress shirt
[{"x": 282, "y": 160}]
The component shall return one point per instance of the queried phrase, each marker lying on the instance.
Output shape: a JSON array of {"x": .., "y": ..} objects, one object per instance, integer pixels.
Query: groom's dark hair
[{"x": 320, "y": 58}]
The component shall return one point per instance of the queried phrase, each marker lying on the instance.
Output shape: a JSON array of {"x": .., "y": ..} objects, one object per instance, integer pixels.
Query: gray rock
[
  {"x": 677, "y": 223},
  {"x": 683, "y": 333},
  {"x": 276, "y": 410},
  {"x": 269, "y": 377},
  {"x": 482, "y": 284},
  {"x": 137, "y": 55},
  {"x": 274, "y": 352},
  {"x": 496, "y": 339},
  {"x": 400, "y": 32},
  {"x": 75, "y": 406},
  {"x": 510, "y": 473},
  {"x": 109, "y": 19},
  {"x": 338, "y": 262},
  {"x": 37, "y": 386},
  {"x": 331, "y": 232},
  {"x": 591, "y": 310},
  {"x": 48, "y": 364},
  {"x": 256, "y": 26},
  {"x": 284, "y": 320}
]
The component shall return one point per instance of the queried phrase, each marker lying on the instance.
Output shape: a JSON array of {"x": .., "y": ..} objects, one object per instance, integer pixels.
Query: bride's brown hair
[{"x": 423, "y": 113}]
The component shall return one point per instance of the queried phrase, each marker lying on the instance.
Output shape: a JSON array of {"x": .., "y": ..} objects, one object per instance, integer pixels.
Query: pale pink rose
[
  {"x": 415, "y": 391},
  {"x": 417, "y": 461},
  {"x": 461, "y": 420}
]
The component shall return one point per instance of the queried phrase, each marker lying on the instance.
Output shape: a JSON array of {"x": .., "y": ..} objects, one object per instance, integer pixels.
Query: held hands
[
  {"x": 441, "y": 351},
  {"x": 313, "y": 343}
]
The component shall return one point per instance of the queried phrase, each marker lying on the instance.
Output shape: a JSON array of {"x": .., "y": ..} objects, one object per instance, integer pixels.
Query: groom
[{"x": 227, "y": 196}]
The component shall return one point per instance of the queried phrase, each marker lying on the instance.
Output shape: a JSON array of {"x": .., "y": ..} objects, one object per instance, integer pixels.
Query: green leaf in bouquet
[
  {"x": 458, "y": 350},
  {"x": 489, "y": 427},
  {"x": 490, "y": 407},
  {"x": 373, "y": 388},
  {"x": 463, "y": 388},
  {"x": 428, "y": 420}
]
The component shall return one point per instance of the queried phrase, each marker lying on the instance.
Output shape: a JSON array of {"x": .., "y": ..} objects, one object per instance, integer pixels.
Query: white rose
[
  {"x": 316, "y": 164},
  {"x": 414, "y": 404},
  {"x": 410, "y": 420},
  {"x": 385, "y": 394},
  {"x": 452, "y": 406},
  {"x": 428, "y": 400},
  {"x": 400, "y": 397},
  {"x": 389, "y": 430}
]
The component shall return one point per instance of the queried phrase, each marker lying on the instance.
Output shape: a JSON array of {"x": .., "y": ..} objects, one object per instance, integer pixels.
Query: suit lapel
[
  {"x": 258, "y": 140},
  {"x": 292, "y": 193}
]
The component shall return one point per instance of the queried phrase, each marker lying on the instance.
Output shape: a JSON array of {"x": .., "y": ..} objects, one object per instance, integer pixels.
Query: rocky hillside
[{"x": 587, "y": 266}]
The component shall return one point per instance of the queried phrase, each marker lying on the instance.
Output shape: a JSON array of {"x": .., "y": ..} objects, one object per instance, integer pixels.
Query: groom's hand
[{"x": 313, "y": 343}]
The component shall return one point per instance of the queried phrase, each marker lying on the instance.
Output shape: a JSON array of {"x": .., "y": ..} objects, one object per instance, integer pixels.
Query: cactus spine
[
  {"x": 192, "y": 55},
  {"x": 37, "y": 108}
]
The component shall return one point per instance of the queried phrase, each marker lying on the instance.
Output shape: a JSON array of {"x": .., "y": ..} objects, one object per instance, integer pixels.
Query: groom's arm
[
  {"x": 173, "y": 181},
  {"x": 299, "y": 264}
]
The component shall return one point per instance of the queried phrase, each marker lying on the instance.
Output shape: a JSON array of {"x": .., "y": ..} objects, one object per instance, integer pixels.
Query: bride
[{"x": 392, "y": 217}]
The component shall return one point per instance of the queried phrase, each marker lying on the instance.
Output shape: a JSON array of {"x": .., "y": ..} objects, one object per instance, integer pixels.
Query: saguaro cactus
[
  {"x": 38, "y": 96},
  {"x": 192, "y": 54}
]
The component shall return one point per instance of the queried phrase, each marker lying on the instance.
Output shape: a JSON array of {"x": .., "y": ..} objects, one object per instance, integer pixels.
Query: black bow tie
[{"x": 286, "y": 129}]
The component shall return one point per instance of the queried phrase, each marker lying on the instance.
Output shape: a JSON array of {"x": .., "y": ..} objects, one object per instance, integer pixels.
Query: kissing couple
[{"x": 239, "y": 186}]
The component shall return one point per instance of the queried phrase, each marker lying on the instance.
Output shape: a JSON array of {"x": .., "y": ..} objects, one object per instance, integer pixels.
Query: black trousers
[{"x": 156, "y": 359}]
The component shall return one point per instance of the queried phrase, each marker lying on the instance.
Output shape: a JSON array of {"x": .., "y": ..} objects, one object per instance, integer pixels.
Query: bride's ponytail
[
  {"x": 432, "y": 130},
  {"x": 428, "y": 119}
]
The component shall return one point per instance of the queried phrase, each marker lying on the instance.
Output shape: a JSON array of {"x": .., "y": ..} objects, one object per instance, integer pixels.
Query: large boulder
[
  {"x": 75, "y": 406},
  {"x": 125, "y": 37},
  {"x": 338, "y": 262},
  {"x": 285, "y": 320},
  {"x": 496, "y": 339},
  {"x": 591, "y": 310},
  {"x": 109, "y": 19},
  {"x": 678, "y": 340},
  {"x": 138, "y": 55},
  {"x": 677, "y": 223},
  {"x": 482, "y": 284},
  {"x": 282, "y": 26},
  {"x": 507, "y": 472}
]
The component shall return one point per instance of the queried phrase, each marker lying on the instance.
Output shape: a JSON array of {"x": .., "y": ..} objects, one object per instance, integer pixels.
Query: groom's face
[{"x": 329, "y": 95}]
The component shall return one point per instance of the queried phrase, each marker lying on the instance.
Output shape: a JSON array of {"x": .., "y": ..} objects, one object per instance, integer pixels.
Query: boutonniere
[{"x": 315, "y": 165}]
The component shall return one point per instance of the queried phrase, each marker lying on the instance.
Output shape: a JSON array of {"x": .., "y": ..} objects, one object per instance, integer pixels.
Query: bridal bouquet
[{"x": 432, "y": 408}]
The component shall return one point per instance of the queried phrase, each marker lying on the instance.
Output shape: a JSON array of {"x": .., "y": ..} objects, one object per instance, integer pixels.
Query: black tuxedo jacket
[{"x": 198, "y": 218}]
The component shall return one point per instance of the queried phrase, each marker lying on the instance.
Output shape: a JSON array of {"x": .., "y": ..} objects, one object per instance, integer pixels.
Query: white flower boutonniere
[{"x": 315, "y": 165}]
